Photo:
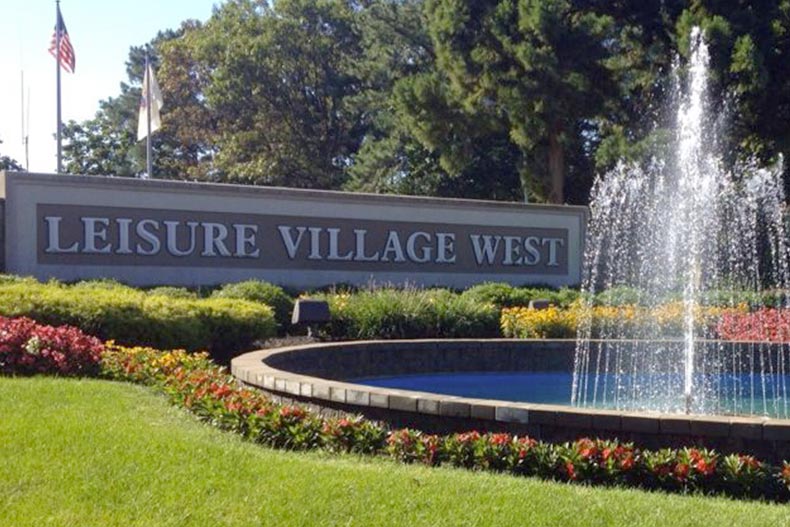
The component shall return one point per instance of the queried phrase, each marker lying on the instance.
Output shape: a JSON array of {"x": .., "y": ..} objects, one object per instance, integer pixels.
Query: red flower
[
  {"x": 292, "y": 412},
  {"x": 219, "y": 390},
  {"x": 499, "y": 439},
  {"x": 403, "y": 436},
  {"x": 468, "y": 437},
  {"x": 587, "y": 448},
  {"x": 749, "y": 462},
  {"x": 570, "y": 469},
  {"x": 706, "y": 468},
  {"x": 627, "y": 463},
  {"x": 681, "y": 471}
]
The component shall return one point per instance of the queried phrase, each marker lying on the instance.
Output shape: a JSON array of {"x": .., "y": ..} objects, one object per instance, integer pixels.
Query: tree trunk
[{"x": 556, "y": 166}]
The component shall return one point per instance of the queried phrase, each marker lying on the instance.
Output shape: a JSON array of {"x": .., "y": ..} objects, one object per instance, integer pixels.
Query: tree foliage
[
  {"x": 8, "y": 163},
  {"x": 276, "y": 82},
  {"x": 498, "y": 99}
]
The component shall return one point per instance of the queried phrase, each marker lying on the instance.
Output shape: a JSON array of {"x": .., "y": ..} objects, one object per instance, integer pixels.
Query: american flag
[{"x": 65, "y": 54}]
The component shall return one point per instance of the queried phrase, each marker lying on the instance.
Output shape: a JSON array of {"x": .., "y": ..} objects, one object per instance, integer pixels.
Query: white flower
[{"x": 33, "y": 346}]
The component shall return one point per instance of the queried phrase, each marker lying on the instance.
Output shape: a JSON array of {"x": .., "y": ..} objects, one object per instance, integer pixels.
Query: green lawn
[{"x": 94, "y": 453}]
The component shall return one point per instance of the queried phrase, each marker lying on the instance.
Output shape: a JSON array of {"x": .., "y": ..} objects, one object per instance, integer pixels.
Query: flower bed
[
  {"x": 605, "y": 321},
  {"x": 194, "y": 382},
  {"x": 763, "y": 325},
  {"x": 27, "y": 348}
]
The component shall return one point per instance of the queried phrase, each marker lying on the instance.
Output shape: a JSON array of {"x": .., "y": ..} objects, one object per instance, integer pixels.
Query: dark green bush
[
  {"x": 410, "y": 313},
  {"x": 506, "y": 295},
  {"x": 130, "y": 316},
  {"x": 618, "y": 296},
  {"x": 721, "y": 297},
  {"x": 263, "y": 292}
]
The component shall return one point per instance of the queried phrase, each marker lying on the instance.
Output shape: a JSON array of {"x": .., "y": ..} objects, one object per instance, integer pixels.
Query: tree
[
  {"x": 505, "y": 99},
  {"x": 274, "y": 82},
  {"x": 419, "y": 140},
  {"x": 641, "y": 50},
  {"x": 533, "y": 67},
  {"x": 106, "y": 144},
  {"x": 750, "y": 43},
  {"x": 8, "y": 163},
  {"x": 395, "y": 47}
]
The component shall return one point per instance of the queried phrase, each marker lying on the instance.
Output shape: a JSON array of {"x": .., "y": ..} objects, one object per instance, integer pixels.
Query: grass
[{"x": 96, "y": 453}]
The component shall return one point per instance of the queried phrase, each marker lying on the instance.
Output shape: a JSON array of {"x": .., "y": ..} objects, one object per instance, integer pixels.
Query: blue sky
[{"x": 101, "y": 32}]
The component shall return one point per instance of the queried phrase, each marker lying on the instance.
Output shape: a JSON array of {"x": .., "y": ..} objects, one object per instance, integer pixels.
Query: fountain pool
[{"x": 687, "y": 240}]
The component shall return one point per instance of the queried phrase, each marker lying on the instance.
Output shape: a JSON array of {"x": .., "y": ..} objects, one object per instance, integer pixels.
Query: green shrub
[
  {"x": 172, "y": 292},
  {"x": 498, "y": 293},
  {"x": 100, "y": 283},
  {"x": 505, "y": 295},
  {"x": 14, "y": 279},
  {"x": 264, "y": 293},
  {"x": 619, "y": 296},
  {"x": 410, "y": 313},
  {"x": 130, "y": 316},
  {"x": 715, "y": 297}
]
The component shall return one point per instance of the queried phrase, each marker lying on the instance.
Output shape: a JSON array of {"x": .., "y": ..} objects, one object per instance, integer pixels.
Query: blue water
[
  {"x": 743, "y": 393},
  {"x": 544, "y": 388}
]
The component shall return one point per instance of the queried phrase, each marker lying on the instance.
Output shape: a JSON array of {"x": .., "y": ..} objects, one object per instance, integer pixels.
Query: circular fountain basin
[
  {"x": 551, "y": 387},
  {"x": 339, "y": 378}
]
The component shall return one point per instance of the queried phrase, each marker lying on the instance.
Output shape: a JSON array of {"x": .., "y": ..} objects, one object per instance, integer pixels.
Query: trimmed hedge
[
  {"x": 172, "y": 292},
  {"x": 264, "y": 293},
  {"x": 410, "y": 313},
  {"x": 117, "y": 312}
]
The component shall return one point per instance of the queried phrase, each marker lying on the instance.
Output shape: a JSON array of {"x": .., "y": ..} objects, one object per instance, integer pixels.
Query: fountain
[
  {"x": 682, "y": 240},
  {"x": 679, "y": 252}
]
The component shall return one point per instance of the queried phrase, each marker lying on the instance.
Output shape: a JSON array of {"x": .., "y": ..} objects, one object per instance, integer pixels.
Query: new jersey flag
[{"x": 153, "y": 105}]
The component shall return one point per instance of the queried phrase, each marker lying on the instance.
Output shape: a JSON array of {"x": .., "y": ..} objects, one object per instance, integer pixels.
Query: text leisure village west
[{"x": 176, "y": 238}]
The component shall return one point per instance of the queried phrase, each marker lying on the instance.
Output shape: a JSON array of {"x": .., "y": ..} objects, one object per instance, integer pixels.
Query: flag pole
[
  {"x": 22, "y": 100},
  {"x": 147, "y": 82},
  {"x": 57, "y": 69}
]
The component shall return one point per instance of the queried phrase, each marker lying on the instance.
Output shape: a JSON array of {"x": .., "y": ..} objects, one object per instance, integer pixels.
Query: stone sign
[{"x": 148, "y": 232}]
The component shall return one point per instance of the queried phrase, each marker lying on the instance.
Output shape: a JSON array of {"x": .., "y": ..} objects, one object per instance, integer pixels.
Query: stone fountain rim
[{"x": 252, "y": 368}]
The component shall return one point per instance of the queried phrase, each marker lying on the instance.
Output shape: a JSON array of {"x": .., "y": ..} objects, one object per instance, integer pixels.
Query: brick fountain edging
[{"x": 315, "y": 374}]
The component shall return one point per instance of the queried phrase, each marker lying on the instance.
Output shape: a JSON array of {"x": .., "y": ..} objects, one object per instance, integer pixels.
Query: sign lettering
[{"x": 89, "y": 235}]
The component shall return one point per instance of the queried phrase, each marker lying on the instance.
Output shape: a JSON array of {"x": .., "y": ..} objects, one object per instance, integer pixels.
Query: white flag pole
[
  {"x": 147, "y": 82},
  {"x": 57, "y": 68}
]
